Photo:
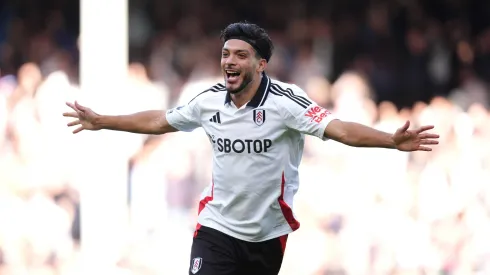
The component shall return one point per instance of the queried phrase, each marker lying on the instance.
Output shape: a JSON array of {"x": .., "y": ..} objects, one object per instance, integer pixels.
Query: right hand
[{"x": 85, "y": 118}]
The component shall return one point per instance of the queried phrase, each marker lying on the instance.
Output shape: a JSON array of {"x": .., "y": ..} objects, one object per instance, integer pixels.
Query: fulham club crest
[
  {"x": 259, "y": 116},
  {"x": 196, "y": 265}
]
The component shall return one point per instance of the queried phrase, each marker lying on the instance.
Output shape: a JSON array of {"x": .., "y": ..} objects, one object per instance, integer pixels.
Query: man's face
[{"x": 239, "y": 64}]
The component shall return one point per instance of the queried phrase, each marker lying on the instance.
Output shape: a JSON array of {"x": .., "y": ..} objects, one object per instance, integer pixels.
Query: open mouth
[{"x": 232, "y": 76}]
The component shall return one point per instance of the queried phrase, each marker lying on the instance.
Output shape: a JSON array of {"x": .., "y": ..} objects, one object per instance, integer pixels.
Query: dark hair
[{"x": 256, "y": 36}]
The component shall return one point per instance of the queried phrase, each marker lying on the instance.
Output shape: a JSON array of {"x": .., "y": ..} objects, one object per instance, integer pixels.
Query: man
[{"x": 256, "y": 126}]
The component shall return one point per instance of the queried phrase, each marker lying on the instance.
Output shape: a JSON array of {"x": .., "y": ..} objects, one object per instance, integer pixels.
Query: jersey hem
[{"x": 224, "y": 230}]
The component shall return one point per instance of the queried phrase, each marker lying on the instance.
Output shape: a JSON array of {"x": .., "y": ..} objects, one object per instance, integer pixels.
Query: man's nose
[{"x": 230, "y": 60}]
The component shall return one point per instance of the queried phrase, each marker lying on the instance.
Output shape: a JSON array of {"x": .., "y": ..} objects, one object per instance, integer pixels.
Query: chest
[
  {"x": 230, "y": 121},
  {"x": 243, "y": 131}
]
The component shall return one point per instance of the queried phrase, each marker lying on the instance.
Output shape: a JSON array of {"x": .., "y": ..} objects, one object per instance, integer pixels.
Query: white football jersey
[{"x": 256, "y": 153}]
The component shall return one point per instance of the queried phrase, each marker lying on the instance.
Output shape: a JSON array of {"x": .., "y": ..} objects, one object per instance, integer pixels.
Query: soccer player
[{"x": 256, "y": 126}]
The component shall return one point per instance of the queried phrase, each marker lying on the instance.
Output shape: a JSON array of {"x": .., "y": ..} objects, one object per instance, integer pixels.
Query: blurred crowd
[{"x": 362, "y": 211}]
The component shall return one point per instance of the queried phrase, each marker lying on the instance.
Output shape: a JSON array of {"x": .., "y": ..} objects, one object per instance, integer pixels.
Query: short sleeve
[
  {"x": 185, "y": 118},
  {"x": 303, "y": 114}
]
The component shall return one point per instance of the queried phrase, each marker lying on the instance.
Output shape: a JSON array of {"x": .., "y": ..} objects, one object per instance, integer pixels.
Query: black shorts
[{"x": 215, "y": 253}]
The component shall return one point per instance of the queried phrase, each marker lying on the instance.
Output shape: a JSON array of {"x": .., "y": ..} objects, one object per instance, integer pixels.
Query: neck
[{"x": 245, "y": 95}]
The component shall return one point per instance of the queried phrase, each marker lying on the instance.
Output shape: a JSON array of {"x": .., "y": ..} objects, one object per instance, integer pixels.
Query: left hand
[{"x": 414, "y": 140}]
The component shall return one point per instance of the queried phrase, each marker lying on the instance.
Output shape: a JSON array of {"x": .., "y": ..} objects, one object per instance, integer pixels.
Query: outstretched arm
[
  {"x": 305, "y": 116},
  {"x": 358, "y": 135},
  {"x": 147, "y": 122}
]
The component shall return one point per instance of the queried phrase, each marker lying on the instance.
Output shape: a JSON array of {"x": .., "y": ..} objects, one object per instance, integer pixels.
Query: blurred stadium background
[{"x": 363, "y": 211}]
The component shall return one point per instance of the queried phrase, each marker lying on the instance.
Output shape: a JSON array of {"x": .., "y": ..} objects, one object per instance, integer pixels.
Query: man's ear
[{"x": 262, "y": 65}]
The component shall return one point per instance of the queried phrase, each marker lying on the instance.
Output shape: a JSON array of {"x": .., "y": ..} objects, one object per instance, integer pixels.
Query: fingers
[
  {"x": 73, "y": 123},
  {"x": 78, "y": 129},
  {"x": 429, "y": 142},
  {"x": 426, "y": 136},
  {"x": 424, "y": 128},
  {"x": 71, "y": 105},
  {"x": 72, "y": 114},
  {"x": 76, "y": 107},
  {"x": 423, "y": 148},
  {"x": 404, "y": 128},
  {"x": 79, "y": 107}
]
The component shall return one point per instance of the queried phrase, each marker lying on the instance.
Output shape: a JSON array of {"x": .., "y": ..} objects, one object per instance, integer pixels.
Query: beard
[{"x": 247, "y": 79}]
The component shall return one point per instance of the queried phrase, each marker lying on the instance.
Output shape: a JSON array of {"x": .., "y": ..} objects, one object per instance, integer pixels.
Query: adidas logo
[{"x": 216, "y": 118}]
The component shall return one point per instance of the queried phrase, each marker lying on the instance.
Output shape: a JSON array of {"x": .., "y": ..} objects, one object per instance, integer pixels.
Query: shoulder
[
  {"x": 289, "y": 95},
  {"x": 284, "y": 85},
  {"x": 217, "y": 89}
]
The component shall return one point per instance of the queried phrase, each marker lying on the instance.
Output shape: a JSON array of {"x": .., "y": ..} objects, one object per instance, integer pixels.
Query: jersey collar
[{"x": 260, "y": 96}]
